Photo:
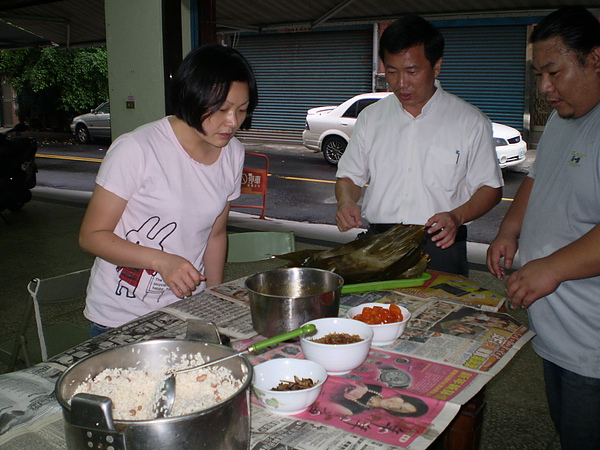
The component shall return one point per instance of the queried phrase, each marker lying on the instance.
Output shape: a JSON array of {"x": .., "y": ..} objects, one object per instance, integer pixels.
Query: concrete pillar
[{"x": 139, "y": 33}]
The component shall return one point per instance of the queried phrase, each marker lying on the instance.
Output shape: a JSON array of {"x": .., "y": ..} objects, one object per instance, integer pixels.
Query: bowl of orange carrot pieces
[{"x": 387, "y": 320}]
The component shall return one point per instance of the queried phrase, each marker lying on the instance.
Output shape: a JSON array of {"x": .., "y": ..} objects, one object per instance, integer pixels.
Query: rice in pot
[{"x": 134, "y": 392}]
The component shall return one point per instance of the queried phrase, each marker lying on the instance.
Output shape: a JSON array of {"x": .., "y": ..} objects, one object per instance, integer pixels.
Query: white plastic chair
[
  {"x": 259, "y": 245},
  {"x": 54, "y": 338}
]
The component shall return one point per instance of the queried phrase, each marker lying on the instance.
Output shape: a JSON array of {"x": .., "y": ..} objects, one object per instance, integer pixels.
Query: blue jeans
[
  {"x": 574, "y": 402},
  {"x": 96, "y": 329}
]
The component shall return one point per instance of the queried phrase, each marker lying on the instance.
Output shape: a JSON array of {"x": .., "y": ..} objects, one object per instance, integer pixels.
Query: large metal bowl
[
  {"x": 89, "y": 423},
  {"x": 282, "y": 300}
]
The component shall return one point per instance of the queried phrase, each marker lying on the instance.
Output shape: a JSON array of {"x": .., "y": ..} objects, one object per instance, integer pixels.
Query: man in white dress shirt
[{"x": 427, "y": 156}]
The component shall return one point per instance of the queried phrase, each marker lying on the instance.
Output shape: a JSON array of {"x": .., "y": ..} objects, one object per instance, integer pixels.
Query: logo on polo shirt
[{"x": 576, "y": 159}]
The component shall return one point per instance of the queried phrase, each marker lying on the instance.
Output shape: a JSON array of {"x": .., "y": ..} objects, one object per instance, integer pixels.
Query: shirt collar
[
  {"x": 435, "y": 98},
  {"x": 430, "y": 105}
]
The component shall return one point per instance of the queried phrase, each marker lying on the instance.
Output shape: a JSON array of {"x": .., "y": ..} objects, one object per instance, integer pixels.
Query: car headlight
[
  {"x": 306, "y": 127},
  {"x": 499, "y": 142}
]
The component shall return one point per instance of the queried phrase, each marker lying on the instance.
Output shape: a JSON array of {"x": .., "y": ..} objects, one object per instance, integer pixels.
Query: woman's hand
[{"x": 179, "y": 274}]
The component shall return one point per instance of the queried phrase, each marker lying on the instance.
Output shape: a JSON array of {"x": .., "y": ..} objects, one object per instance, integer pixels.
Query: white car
[
  {"x": 510, "y": 146},
  {"x": 93, "y": 125},
  {"x": 328, "y": 129}
]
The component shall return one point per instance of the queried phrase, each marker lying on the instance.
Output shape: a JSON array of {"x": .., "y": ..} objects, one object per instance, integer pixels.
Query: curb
[{"x": 323, "y": 233}]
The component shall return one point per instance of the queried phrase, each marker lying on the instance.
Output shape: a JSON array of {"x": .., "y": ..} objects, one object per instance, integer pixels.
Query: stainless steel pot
[
  {"x": 282, "y": 300},
  {"x": 89, "y": 422}
]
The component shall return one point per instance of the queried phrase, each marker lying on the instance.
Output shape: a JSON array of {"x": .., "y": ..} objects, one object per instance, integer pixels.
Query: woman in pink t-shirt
[{"x": 157, "y": 218}]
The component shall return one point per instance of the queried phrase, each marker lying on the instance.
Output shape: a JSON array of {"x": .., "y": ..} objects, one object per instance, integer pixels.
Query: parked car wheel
[
  {"x": 333, "y": 149},
  {"x": 83, "y": 135}
]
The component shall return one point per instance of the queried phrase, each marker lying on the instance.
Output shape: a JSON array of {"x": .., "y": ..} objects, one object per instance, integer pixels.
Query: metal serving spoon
[{"x": 165, "y": 402}]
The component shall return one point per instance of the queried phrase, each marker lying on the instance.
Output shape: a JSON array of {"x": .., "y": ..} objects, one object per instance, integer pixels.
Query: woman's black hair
[
  {"x": 575, "y": 25},
  {"x": 409, "y": 31},
  {"x": 420, "y": 406},
  {"x": 202, "y": 82}
]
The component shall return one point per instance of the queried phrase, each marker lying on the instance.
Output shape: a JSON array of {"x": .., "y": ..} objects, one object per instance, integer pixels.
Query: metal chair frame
[{"x": 61, "y": 288}]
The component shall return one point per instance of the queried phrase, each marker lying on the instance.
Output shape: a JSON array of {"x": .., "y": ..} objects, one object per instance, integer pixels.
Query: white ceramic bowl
[
  {"x": 269, "y": 374},
  {"x": 385, "y": 333},
  {"x": 337, "y": 359}
]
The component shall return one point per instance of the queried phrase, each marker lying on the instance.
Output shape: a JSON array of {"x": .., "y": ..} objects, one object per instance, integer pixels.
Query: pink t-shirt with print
[{"x": 172, "y": 204}]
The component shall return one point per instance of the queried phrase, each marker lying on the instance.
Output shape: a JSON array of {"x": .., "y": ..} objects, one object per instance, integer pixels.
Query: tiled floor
[{"x": 41, "y": 241}]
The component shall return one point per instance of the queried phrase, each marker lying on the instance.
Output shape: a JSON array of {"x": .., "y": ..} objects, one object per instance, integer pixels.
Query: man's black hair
[
  {"x": 202, "y": 82},
  {"x": 409, "y": 31},
  {"x": 575, "y": 25}
]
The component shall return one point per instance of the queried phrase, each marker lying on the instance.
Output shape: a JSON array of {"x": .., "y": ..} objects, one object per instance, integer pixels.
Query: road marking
[
  {"x": 333, "y": 182},
  {"x": 314, "y": 180},
  {"x": 302, "y": 179},
  {"x": 72, "y": 158}
]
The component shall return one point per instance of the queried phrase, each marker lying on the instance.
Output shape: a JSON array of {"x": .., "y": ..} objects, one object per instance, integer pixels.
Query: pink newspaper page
[{"x": 391, "y": 398}]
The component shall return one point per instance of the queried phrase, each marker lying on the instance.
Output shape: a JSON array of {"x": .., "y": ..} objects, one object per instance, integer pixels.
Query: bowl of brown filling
[
  {"x": 339, "y": 344},
  {"x": 288, "y": 386}
]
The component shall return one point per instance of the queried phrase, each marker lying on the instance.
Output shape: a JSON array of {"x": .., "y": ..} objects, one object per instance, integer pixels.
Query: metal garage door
[
  {"x": 486, "y": 66},
  {"x": 299, "y": 71}
]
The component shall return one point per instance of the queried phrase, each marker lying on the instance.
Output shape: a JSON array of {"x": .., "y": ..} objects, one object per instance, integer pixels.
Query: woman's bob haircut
[{"x": 202, "y": 82}]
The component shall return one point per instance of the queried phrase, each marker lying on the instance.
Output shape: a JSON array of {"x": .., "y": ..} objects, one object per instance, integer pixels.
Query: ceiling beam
[
  {"x": 331, "y": 13},
  {"x": 239, "y": 26},
  {"x": 34, "y": 18}
]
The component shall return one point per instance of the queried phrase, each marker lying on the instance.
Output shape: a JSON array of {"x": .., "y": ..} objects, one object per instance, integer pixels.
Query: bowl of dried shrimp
[
  {"x": 387, "y": 320},
  {"x": 339, "y": 344},
  {"x": 288, "y": 386}
]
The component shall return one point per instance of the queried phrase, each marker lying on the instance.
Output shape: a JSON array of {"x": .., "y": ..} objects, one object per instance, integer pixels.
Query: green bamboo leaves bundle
[{"x": 395, "y": 254}]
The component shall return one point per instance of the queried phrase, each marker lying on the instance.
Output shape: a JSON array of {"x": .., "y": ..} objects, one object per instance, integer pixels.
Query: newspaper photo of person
[
  {"x": 371, "y": 409},
  {"x": 360, "y": 397},
  {"x": 474, "y": 324}
]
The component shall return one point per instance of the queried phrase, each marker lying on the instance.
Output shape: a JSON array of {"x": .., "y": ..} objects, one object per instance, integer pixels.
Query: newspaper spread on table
[{"x": 455, "y": 343}]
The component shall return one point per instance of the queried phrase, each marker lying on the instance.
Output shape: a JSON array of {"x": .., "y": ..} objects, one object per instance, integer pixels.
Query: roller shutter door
[
  {"x": 486, "y": 67},
  {"x": 299, "y": 71}
]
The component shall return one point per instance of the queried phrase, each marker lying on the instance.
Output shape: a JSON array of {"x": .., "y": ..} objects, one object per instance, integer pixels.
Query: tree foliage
[{"x": 55, "y": 84}]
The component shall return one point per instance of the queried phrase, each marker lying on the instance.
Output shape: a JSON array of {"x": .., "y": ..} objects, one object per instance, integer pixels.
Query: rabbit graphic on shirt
[{"x": 131, "y": 279}]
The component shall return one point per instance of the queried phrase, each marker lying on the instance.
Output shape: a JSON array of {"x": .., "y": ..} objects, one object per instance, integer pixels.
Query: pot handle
[
  {"x": 198, "y": 330},
  {"x": 93, "y": 415},
  {"x": 92, "y": 411}
]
